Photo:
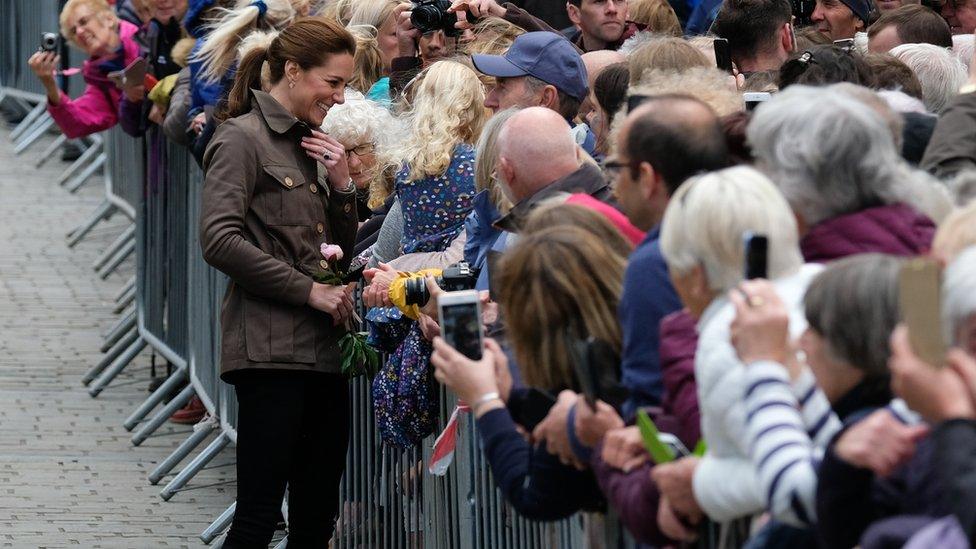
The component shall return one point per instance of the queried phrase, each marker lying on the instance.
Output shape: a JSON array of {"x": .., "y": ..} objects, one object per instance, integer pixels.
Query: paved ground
[{"x": 68, "y": 474}]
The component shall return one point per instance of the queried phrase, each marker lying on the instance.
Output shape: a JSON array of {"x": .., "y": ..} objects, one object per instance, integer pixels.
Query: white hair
[
  {"x": 959, "y": 293},
  {"x": 962, "y": 46},
  {"x": 963, "y": 187},
  {"x": 829, "y": 153},
  {"x": 633, "y": 43},
  {"x": 901, "y": 102},
  {"x": 861, "y": 43},
  {"x": 707, "y": 216},
  {"x": 938, "y": 70}
]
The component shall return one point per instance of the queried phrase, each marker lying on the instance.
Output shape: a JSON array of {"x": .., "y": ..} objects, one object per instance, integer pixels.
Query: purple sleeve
[
  {"x": 633, "y": 496},
  {"x": 679, "y": 339},
  {"x": 131, "y": 118}
]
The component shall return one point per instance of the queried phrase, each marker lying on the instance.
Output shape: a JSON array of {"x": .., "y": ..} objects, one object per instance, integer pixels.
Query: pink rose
[{"x": 331, "y": 252}]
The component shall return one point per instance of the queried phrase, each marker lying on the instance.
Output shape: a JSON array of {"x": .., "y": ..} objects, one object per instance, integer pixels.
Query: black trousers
[{"x": 292, "y": 429}]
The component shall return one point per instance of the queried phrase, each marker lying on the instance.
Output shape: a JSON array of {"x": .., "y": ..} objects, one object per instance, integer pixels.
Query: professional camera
[
  {"x": 431, "y": 16},
  {"x": 50, "y": 41},
  {"x": 457, "y": 277}
]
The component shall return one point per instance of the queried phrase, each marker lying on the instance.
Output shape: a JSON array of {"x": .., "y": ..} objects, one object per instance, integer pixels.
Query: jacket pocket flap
[{"x": 288, "y": 177}]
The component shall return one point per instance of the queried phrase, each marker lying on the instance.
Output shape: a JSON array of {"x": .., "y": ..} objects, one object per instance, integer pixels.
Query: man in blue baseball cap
[{"x": 541, "y": 69}]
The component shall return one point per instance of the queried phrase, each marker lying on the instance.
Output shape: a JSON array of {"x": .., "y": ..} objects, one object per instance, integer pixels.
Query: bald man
[
  {"x": 538, "y": 158},
  {"x": 595, "y": 62}
]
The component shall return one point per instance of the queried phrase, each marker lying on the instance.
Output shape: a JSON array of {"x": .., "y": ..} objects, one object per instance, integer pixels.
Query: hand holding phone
[
  {"x": 756, "y": 248},
  {"x": 723, "y": 55}
]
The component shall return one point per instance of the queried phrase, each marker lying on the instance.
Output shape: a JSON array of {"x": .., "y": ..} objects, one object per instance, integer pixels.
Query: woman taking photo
[
  {"x": 265, "y": 215},
  {"x": 92, "y": 26}
]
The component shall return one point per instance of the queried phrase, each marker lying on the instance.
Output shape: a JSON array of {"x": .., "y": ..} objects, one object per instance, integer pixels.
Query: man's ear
[
  {"x": 787, "y": 38},
  {"x": 574, "y": 14},
  {"x": 650, "y": 182},
  {"x": 550, "y": 97}
]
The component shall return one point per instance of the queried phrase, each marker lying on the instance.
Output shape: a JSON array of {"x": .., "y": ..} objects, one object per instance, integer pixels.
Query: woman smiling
[{"x": 265, "y": 215}]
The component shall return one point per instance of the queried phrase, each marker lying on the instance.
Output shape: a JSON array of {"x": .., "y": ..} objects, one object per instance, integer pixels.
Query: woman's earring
[{"x": 291, "y": 83}]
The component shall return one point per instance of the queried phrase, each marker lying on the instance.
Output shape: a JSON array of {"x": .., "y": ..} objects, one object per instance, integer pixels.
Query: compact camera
[
  {"x": 457, "y": 277},
  {"x": 429, "y": 16},
  {"x": 50, "y": 41}
]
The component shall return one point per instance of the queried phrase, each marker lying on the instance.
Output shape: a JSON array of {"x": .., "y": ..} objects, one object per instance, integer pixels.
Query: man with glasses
[{"x": 662, "y": 142}]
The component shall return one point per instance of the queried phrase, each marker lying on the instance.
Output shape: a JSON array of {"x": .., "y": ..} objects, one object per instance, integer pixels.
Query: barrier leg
[
  {"x": 28, "y": 120},
  {"x": 84, "y": 176},
  {"x": 104, "y": 210},
  {"x": 194, "y": 467},
  {"x": 178, "y": 455},
  {"x": 219, "y": 525},
  {"x": 130, "y": 337},
  {"x": 106, "y": 377},
  {"x": 128, "y": 287},
  {"x": 119, "y": 242},
  {"x": 117, "y": 259},
  {"x": 50, "y": 150},
  {"x": 44, "y": 125},
  {"x": 125, "y": 300},
  {"x": 175, "y": 380},
  {"x": 126, "y": 323},
  {"x": 90, "y": 153}
]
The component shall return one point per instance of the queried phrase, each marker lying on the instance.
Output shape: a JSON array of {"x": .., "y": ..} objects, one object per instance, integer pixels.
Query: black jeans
[{"x": 292, "y": 429}]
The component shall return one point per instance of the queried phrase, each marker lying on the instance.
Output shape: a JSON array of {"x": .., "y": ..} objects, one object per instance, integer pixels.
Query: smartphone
[
  {"x": 846, "y": 44},
  {"x": 675, "y": 444},
  {"x": 659, "y": 451},
  {"x": 919, "y": 297},
  {"x": 460, "y": 318},
  {"x": 597, "y": 368},
  {"x": 533, "y": 407},
  {"x": 756, "y": 255},
  {"x": 723, "y": 54},
  {"x": 753, "y": 99}
]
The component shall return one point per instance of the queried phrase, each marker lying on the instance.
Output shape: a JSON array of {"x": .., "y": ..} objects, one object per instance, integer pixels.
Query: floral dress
[
  {"x": 435, "y": 207},
  {"x": 405, "y": 395}
]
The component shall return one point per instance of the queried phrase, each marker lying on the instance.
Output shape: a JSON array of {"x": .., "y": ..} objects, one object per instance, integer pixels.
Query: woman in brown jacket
[{"x": 266, "y": 212}]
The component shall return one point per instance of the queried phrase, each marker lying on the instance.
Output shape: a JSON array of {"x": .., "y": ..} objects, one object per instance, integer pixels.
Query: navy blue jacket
[{"x": 648, "y": 297}]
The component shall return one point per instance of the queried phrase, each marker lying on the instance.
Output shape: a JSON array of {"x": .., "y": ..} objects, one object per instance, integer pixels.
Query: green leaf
[
  {"x": 659, "y": 451},
  {"x": 700, "y": 448}
]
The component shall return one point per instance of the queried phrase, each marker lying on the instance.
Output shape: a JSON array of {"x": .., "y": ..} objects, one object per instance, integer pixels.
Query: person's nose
[
  {"x": 491, "y": 99},
  {"x": 611, "y": 7},
  {"x": 340, "y": 96},
  {"x": 437, "y": 40},
  {"x": 817, "y": 14},
  {"x": 353, "y": 161}
]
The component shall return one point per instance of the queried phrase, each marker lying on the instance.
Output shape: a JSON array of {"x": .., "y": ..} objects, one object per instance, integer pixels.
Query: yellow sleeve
[{"x": 398, "y": 291}]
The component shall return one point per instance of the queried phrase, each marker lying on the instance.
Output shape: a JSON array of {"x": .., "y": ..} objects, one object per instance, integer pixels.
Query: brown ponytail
[{"x": 309, "y": 42}]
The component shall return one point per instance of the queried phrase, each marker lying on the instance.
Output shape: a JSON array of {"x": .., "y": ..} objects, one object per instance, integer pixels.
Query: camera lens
[
  {"x": 49, "y": 41},
  {"x": 416, "y": 291},
  {"x": 426, "y": 17}
]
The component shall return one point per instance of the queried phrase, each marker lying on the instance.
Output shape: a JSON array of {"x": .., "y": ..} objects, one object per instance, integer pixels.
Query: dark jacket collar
[
  {"x": 864, "y": 397},
  {"x": 587, "y": 179},
  {"x": 277, "y": 117}
]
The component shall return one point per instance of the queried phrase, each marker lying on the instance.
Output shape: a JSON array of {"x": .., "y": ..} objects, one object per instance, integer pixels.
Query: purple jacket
[
  {"x": 895, "y": 229},
  {"x": 634, "y": 495},
  {"x": 97, "y": 108}
]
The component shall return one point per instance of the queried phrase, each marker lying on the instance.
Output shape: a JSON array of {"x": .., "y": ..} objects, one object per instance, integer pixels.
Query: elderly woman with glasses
[{"x": 93, "y": 27}]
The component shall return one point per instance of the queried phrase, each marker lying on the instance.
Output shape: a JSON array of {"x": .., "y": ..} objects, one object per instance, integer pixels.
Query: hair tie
[{"x": 261, "y": 6}]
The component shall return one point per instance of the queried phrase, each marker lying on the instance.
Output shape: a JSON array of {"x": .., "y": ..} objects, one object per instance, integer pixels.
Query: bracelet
[
  {"x": 350, "y": 186},
  {"x": 484, "y": 399}
]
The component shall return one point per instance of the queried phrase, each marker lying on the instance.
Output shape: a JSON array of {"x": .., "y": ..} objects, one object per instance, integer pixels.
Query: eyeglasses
[
  {"x": 362, "y": 150},
  {"x": 611, "y": 168}
]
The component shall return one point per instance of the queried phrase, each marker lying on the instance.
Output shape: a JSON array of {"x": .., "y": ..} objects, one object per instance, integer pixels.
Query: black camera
[
  {"x": 457, "y": 277},
  {"x": 50, "y": 41},
  {"x": 429, "y": 16}
]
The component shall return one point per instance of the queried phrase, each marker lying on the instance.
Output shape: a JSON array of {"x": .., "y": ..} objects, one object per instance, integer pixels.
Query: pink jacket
[{"x": 97, "y": 108}]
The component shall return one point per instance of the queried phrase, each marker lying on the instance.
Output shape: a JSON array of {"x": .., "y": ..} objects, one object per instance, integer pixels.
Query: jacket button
[
  {"x": 314, "y": 188},
  {"x": 347, "y": 208},
  {"x": 324, "y": 264},
  {"x": 289, "y": 182},
  {"x": 320, "y": 228}
]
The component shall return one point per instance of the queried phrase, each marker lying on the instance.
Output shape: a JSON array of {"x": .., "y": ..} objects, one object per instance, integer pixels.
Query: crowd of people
[{"x": 593, "y": 169}]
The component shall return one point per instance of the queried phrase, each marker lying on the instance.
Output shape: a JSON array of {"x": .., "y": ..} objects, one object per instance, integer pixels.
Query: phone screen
[
  {"x": 919, "y": 293},
  {"x": 756, "y": 255},
  {"x": 461, "y": 326}
]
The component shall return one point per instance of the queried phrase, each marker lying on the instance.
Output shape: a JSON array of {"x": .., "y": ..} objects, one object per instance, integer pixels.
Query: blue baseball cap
[
  {"x": 544, "y": 55},
  {"x": 860, "y": 8}
]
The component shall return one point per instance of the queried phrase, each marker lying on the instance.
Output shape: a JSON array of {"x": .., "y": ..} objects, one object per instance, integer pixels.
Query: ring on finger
[{"x": 756, "y": 301}]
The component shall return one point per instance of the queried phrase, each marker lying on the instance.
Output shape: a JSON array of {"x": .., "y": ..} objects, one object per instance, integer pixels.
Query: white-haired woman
[
  {"x": 92, "y": 26},
  {"x": 940, "y": 72},
  {"x": 834, "y": 159},
  {"x": 702, "y": 242}
]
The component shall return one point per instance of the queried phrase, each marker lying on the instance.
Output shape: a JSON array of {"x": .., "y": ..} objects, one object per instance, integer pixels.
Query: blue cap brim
[{"x": 496, "y": 65}]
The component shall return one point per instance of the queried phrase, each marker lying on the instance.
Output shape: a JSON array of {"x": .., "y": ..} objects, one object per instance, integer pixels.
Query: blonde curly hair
[{"x": 447, "y": 110}]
